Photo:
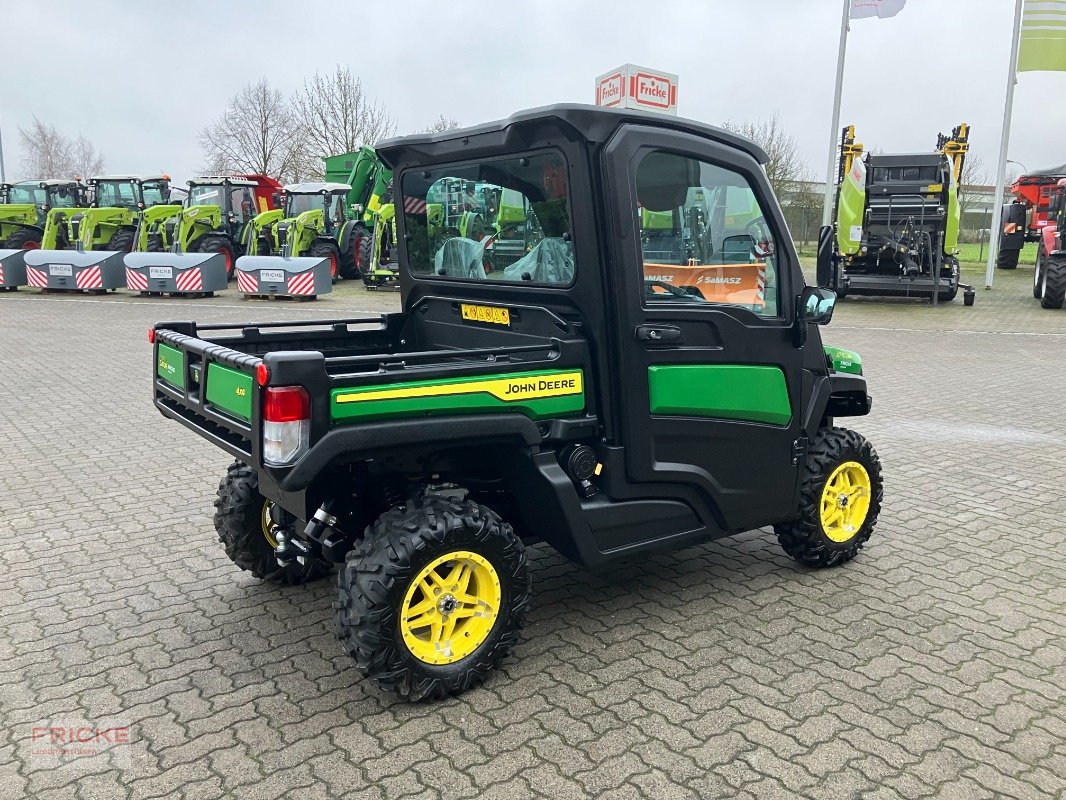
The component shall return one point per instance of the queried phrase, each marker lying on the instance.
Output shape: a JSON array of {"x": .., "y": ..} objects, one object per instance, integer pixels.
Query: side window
[{"x": 704, "y": 237}]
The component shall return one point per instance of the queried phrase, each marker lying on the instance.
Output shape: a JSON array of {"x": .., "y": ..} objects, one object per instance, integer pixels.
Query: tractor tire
[
  {"x": 1038, "y": 273},
  {"x": 155, "y": 243},
  {"x": 122, "y": 240},
  {"x": 326, "y": 249},
  {"x": 398, "y": 561},
  {"x": 24, "y": 239},
  {"x": 1054, "y": 282},
  {"x": 840, "y": 498},
  {"x": 1007, "y": 259},
  {"x": 243, "y": 524},
  {"x": 220, "y": 244},
  {"x": 350, "y": 265}
]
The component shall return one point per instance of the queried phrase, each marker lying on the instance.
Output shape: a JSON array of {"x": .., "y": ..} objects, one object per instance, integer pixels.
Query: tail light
[{"x": 286, "y": 424}]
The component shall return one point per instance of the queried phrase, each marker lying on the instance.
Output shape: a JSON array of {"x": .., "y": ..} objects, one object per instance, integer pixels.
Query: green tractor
[
  {"x": 28, "y": 206},
  {"x": 315, "y": 220},
  {"x": 218, "y": 217},
  {"x": 363, "y": 171},
  {"x": 125, "y": 212}
]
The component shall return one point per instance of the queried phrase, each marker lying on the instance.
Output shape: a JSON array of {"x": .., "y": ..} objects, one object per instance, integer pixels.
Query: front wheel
[
  {"x": 1007, "y": 259},
  {"x": 24, "y": 239},
  {"x": 1053, "y": 292},
  {"x": 324, "y": 249},
  {"x": 122, "y": 240},
  {"x": 433, "y": 598},
  {"x": 242, "y": 521},
  {"x": 219, "y": 244},
  {"x": 840, "y": 499}
]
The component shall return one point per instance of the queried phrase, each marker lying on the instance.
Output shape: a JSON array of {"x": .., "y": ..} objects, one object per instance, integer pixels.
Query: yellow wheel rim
[
  {"x": 268, "y": 525},
  {"x": 845, "y": 501},
  {"x": 450, "y": 607}
]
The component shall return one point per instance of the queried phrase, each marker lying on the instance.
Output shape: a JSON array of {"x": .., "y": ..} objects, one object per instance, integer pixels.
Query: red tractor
[
  {"x": 1049, "y": 280},
  {"x": 1026, "y": 217}
]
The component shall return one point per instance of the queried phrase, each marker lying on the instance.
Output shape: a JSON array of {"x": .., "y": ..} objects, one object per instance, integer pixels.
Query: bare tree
[
  {"x": 973, "y": 184},
  {"x": 336, "y": 116},
  {"x": 257, "y": 132},
  {"x": 786, "y": 169},
  {"x": 442, "y": 124},
  {"x": 86, "y": 158},
  {"x": 47, "y": 153}
]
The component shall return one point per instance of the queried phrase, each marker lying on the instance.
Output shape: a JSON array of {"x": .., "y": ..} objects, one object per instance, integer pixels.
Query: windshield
[
  {"x": 296, "y": 204},
  {"x": 63, "y": 196},
  {"x": 206, "y": 195},
  {"x": 155, "y": 193},
  {"x": 27, "y": 194},
  {"x": 499, "y": 220},
  {"x": 117, "y": 194}
]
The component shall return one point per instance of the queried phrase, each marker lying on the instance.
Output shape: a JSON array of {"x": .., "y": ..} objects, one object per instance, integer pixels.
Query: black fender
[
  {"x": 430, "y": 433},
  {"x": 848, "y": 396},
  {"x": 838, "y": 394}
]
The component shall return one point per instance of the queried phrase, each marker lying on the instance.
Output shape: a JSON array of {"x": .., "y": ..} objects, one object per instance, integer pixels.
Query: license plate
[
  {"x": 160, "y": 272},
  {"x": 272, "y": 275},
  {"x": 491, "y": 314},
  {"x": 65, "y": 270}
]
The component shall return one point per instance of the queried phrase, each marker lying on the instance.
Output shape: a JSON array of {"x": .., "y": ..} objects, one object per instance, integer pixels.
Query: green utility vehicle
[
  {"x": 587, "y": 396},
  {"x": 28, "y": 207},
  {"x": 897, "y": 221},
  {"x": 369, "y": 179},
  {"x": 315, "y": 221}
]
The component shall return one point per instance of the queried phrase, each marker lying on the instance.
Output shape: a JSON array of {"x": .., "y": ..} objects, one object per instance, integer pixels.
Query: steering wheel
[{"x": 754, "y": 226}]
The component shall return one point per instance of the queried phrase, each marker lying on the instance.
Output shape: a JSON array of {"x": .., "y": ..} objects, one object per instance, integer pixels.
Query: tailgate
[{"x": 208, "y": 388}]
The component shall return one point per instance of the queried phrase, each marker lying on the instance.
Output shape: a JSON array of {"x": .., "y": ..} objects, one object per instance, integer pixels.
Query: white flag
[{"x": 861, "y": 9}]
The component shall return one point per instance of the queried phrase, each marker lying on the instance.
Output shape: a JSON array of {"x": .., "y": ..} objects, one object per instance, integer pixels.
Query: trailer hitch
[{"x": 319, "y": 541}]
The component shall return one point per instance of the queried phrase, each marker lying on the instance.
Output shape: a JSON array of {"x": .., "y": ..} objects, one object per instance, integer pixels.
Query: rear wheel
[
  {"x": 219, "y": 244},
  {"x": 325, "y": 249},
  {"x": 242, "y": 521},
  {"x": 1008, "y": 259},
  {"x": 351, "y": 265},
  {"x": 122, "y": 240},
  {"x": 1053, "y": 292},
  {"x": 432, "y": 599},
  {"x": 24, "y": 239},
  {"x": 1038, "y": 273},
  {"x": 840, "y": 499}
]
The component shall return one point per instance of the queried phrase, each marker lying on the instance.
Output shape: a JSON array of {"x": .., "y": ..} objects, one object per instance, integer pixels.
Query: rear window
[
  {"x": 905, "y": 174},
  {"x": 493, "y": 220}
]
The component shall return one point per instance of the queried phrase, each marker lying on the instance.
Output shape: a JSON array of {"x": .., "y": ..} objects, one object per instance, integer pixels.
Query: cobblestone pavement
[{"x": 931, "y": 666}]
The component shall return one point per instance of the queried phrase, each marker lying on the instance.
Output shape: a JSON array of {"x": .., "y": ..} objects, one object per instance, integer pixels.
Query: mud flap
[
  {"x": 75, "y": 270},
  {"x": 277, "y": 276},
  {"x": 175, "y": 273},
  {"x": 12, "y": 268}
]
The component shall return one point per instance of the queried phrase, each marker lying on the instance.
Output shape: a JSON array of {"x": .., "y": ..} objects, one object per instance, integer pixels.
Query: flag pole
[
  {"x": 1004, "y": 140},
  {"x": 834, "y": 131}
]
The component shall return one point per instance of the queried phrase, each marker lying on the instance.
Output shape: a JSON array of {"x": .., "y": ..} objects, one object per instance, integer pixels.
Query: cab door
[{"x": 703, "y": 273}]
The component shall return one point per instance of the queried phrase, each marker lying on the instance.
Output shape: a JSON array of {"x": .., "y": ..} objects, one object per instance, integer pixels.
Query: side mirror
[
  {"x": 825, "y": 265},
  {"x": 816, "y": 305},
  {"x": 276, "y": 198},
  {"x": 738, "y": 249}
]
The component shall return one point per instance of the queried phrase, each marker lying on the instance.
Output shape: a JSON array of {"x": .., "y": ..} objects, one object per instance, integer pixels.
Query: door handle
[{"x": 659, "y": 334}]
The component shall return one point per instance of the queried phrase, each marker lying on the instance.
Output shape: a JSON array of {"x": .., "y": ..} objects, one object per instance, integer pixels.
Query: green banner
[{"x": 1043, "y": 42}]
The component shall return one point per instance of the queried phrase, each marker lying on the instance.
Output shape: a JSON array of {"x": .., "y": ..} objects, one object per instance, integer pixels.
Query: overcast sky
[{"x": 141, "y": 79}]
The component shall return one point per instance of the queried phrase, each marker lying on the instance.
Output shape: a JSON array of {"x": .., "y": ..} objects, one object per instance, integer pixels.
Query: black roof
[
  {"x": 594, "y": 124},
  {"x": 906, "y": 159}
]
